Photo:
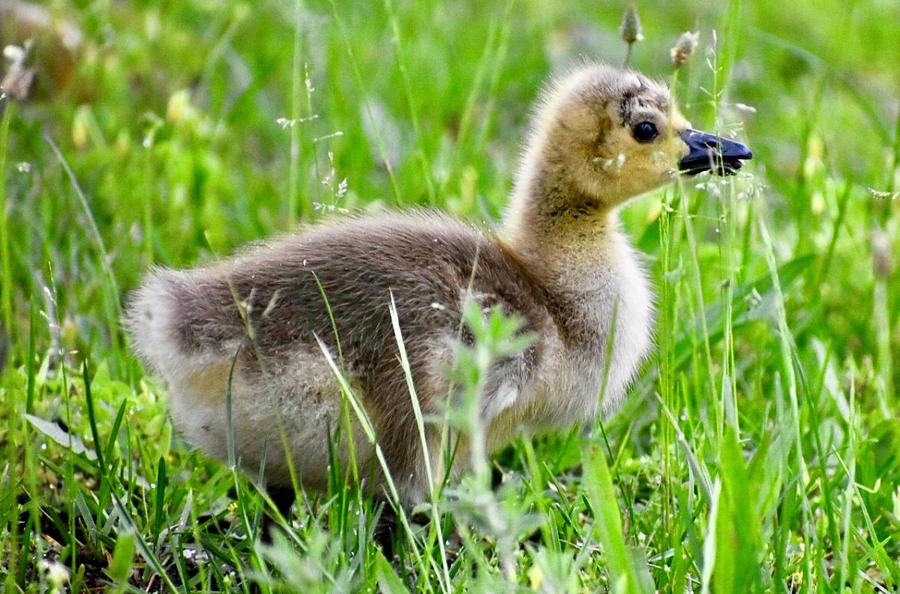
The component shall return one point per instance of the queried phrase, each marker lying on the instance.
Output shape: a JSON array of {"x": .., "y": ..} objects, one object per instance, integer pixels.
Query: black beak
[{"x": 712, "y": 153}]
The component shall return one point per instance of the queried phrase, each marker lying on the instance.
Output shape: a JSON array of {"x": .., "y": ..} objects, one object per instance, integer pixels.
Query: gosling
[{"x": 257, "y": 323}]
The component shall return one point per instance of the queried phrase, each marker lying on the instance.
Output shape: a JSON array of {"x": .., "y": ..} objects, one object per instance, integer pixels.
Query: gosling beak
[{"x": 712, "y": 153}]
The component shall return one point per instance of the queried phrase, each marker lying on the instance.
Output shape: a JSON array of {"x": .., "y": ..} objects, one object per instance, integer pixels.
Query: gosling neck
[{"x": 567, "y": 239}]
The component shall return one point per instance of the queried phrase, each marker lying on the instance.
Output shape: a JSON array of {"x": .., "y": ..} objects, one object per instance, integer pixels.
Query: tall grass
[{"x": 760, "y": 449}]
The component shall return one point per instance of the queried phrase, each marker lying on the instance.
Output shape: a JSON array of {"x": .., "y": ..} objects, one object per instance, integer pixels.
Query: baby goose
[{"x": 558, "y": 261}]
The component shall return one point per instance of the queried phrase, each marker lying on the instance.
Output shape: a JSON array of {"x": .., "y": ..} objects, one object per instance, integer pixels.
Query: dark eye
[{"x": 645, "y": 132}]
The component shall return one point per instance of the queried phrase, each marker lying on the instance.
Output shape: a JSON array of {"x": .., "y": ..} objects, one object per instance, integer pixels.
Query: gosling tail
[{"x": 181, "y": 322}]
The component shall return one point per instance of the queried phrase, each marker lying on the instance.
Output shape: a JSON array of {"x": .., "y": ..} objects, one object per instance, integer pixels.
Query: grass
[{"x": 760, "y": 448}]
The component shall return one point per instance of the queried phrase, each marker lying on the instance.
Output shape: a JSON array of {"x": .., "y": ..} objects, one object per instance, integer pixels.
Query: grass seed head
[
  {"x": 684, "y": 48},
  {"x": 630, "y": 29},
  {"x": 20, "y": 77}
]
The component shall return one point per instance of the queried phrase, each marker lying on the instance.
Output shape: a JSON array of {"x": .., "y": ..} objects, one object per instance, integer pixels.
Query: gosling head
[{"x": 603, "y": 135}]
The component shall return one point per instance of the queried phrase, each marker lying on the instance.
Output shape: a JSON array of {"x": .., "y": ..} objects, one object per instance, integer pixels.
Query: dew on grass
[
  {"x": 336, "y": 134},
  {"x": 288, "y": 123}
]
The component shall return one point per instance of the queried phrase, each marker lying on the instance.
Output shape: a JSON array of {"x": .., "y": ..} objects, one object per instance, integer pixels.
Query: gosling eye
[{"x": 645, "y": 132}]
